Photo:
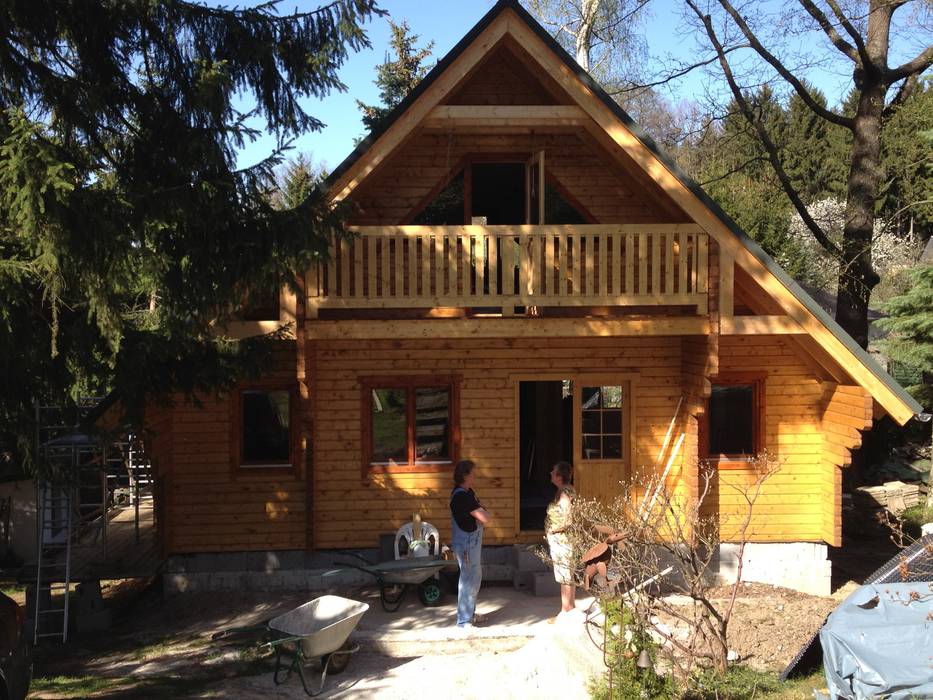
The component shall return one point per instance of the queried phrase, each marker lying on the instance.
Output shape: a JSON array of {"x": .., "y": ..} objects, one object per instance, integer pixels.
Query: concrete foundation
[
  {"x": 292, "y": 570},
  {"x": 801, "y": 566}
]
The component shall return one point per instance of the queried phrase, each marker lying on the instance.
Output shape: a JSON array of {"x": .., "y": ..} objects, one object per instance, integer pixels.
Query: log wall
[{"x": 351, "y": 511}]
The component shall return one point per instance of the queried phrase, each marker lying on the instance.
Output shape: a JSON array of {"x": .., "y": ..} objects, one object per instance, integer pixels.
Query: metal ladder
[{"x": 53, "y": 563}]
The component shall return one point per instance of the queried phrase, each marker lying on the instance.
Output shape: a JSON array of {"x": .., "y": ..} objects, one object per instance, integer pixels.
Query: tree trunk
[
  {"x": 584, "y": 36},
  {"x": 856, "y": 276}
]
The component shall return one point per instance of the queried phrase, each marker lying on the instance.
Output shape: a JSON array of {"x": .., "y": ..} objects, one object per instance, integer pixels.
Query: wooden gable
[{"x": 509, "y": 46}]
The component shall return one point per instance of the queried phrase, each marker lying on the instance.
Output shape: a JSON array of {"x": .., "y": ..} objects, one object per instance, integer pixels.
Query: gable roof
[{"x": 885, "y": 390}]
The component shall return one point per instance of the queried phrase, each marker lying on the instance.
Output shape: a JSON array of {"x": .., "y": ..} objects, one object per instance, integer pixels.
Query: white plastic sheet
[{"x": 879, "y": 641}]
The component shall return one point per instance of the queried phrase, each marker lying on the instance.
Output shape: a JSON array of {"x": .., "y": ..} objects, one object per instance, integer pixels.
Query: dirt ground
[{"x": 161, "y": 647}]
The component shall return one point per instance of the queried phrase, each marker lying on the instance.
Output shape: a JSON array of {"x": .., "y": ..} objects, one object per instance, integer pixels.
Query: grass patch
[
  {"x": 916, "y": 516},
  {"x": 149, "y": 688},
  {"x": 75, "y": 686}
]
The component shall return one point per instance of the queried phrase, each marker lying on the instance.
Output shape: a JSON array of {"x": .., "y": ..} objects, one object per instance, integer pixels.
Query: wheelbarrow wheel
[
  {"x": 391, "y": 597},
  {"x": 338, "y": 660},
  {"x": 430, "y": 593}
]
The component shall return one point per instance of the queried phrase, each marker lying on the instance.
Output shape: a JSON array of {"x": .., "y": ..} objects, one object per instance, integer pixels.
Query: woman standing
[
  {"x": 468, "y": 517},
  {"x": 556, "y": 525}
]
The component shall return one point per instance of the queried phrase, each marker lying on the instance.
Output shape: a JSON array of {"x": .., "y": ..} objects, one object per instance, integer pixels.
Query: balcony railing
[{"x": 508, "y": 266}]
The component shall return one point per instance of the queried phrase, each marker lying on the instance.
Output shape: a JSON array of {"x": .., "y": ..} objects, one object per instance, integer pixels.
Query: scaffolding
[{"x": 81, "y": 480}]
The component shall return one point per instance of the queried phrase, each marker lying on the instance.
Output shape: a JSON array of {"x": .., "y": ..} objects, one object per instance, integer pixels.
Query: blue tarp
[{"x": 879, "y": 641}]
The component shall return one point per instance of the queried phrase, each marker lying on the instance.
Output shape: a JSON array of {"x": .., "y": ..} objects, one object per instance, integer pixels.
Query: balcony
[{"x": 504, "y": 267}]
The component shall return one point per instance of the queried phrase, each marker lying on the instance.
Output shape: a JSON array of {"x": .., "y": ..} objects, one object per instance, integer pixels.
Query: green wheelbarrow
[
  {"x": 318, "y": 630},
  {"x": 396, "y": 575}
]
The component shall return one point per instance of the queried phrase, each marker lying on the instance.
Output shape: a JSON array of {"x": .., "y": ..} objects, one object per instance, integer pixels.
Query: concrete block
[
  {"x": 525, "y": 560},
  {"x": 524, "y": 581},
  {"x": 497, "y": 572},
  {"x": 545, "y": 585},
  {"x": 92, "y": 621}
]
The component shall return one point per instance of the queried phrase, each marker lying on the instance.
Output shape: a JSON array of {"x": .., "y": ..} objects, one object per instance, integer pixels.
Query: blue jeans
[{"x": 468, "y": 546}]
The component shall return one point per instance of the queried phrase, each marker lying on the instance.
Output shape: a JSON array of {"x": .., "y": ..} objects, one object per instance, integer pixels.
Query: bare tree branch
[
  {"x": 831, "y": 32},
  {"x": 818, "y": 233},
  {"x": 775, "y": 63},
  {"x": 903, "y": 94},
  {"x": 919, "y": 64},
  {"x": 850, "y": 30},
  {"x": 678, "y": 73}
]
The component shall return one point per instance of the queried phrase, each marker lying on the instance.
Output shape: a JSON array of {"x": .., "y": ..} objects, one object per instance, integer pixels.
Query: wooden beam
[
  {"x": 479, "y": 116},
  {"x": 726, "y": 285},
  {"x": 760, "y": 325},
  {"x": 506, "y": 328}
]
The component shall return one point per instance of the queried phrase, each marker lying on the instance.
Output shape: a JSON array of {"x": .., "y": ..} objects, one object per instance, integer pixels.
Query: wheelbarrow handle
[
  {"x": 233, "y": 631},
  {"x": 359, "y": 567},
  {"x": 273, "y": 643},
  {"x": 363, "y": 559}
]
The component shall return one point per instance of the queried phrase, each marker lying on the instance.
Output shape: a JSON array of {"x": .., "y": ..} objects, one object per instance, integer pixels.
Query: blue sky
[{"x": 445, "y": 22}]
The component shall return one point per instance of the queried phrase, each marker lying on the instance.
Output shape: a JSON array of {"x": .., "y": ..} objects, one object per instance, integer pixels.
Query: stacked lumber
[{"x": 895, "y": 496}]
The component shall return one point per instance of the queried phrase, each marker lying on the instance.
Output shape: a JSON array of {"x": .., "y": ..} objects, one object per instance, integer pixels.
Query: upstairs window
[
  {"x": 500, "y": 190},
  {"x": 409, "y": 423}
]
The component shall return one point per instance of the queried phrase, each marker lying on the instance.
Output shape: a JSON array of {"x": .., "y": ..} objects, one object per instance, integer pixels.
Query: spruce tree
[
  {"x": 398, "y": 76},
  {"x": 127, "y": 230}
]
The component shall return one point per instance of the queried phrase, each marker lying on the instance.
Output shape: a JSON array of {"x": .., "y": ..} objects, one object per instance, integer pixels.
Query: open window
[
  {"x": 733, "y": 428},
  {"x": 410, "y": 423},
  {"x": 500, "y": 190},
  {"x": 265, "y": 427}
]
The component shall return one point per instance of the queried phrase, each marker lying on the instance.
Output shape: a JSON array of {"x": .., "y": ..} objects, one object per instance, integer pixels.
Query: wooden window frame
[
  {"x": 465, "y": 166},
  {"x": 408, "y": 382},
  {"x": 757, "y": 380},
  {"x": 275, "y": 469}
]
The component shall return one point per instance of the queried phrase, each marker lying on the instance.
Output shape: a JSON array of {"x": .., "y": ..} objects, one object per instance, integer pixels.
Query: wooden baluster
[
  {"x": 615, "y": 265},
  {"x": 506, "y": 252},
  {"x": 629, "y": 263},
  {"x": 344, "y": 268},
  {"x": 702, "y": 290},
  {"x": 452, "y": 276},
  {"x": 384, "y": 265},
  {"x": 547, "y": 279},
  {"x": 668, "y": 263},
  {"x": 562, "y": 281},
  {"x": 692, "y": 240},
  {"x": 412, "y": 246},
  {"x": 398, "y": 283},
  {"x": 603, "y": 239},
  {"x": 480, "y": 251},
  {"x": 425, "y": 267},
  {"x": 642, "y": 263},
  {"x": 371, "y": 277},
  {"x": 682, "y": 238},
  {"x": 438, "y": 266},
  {"x": 655, "y": 263},
  {"x": 703, "y": 269},
  {"x": 576, "y": 246},
  {"x": 331, "y": 289},
  {"x": 358, "y": 267},
  {"x": 493, "y": 243},
  {"x": 392, "y": 275}
]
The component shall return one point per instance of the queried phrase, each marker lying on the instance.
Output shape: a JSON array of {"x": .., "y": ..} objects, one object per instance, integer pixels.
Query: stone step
[{"x": 524, "y": 559}]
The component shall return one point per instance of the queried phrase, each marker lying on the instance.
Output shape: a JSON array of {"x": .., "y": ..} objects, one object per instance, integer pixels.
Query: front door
[{"x": 602, "y": 435}]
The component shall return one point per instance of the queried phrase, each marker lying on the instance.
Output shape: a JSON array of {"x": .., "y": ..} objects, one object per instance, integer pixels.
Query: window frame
[
  {"x": 410, "y": 383},
  {"x": 757, "y": 381},
  {"x": 465, "y": 166},
  {"x": 265, "y": 468},
  {"x": 627, "y": 382}
]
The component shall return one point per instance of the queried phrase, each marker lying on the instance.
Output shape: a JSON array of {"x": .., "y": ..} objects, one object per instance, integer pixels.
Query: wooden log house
[{"x": 529, "y": 279}]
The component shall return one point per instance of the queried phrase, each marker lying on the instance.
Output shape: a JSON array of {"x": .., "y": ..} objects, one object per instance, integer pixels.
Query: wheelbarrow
[
  {"x": 319, "y": 629},
  {"x": 397, "y": 575}
]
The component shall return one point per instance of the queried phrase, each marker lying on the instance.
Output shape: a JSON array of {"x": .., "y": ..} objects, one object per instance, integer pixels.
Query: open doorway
[{"x": 546, "y": 437}]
